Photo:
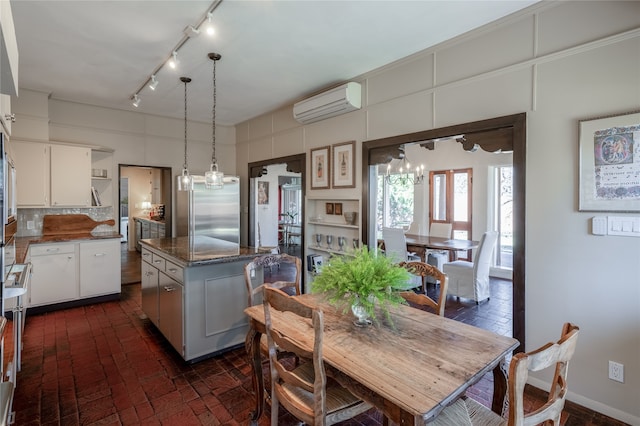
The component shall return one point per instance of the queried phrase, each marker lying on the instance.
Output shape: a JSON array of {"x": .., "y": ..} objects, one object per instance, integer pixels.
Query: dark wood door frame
[
  {"x": 507, "y": 133},
  {"x": 295, "y": 164}
]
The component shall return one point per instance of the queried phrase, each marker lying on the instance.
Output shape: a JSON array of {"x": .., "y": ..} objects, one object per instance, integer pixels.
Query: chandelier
[
  {"x": 405, "y": 174},
  {"x": 213, "y": 179}
]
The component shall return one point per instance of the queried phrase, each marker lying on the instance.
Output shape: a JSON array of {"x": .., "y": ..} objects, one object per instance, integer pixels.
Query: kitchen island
[{"x": 193, "y": 291}]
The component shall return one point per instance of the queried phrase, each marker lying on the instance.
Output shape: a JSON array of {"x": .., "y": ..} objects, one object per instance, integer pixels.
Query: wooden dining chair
[
  {"x": 255, "y": 288},
  {"x": 424, "y": 270},
  {"x": 556, "y": 355},
  {"x": 304, "y": 391}
]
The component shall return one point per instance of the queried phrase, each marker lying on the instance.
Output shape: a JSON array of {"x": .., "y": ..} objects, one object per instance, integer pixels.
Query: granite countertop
[
  {"x": 148, "y": 219},
  {"x": 22, "y": 243},
  {"x": 200, "y": 250}
]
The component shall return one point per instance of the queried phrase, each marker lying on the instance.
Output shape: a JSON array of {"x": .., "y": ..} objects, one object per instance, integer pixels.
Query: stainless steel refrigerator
[{"x": 210, "y": 212}]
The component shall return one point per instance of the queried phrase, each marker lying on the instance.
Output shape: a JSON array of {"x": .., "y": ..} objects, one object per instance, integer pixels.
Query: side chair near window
[
  {"x": 304, "y": 391},
  {"x": 555, "y": 355},
  {"x": 424, "y": 270},
  {"x": 438, "y": 258},
  {"x": 470, "y": 280},
  {"x": 395, "y": 247}
]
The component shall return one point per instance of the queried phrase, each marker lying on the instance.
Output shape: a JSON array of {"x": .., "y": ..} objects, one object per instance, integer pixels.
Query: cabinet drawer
[
  {"x": 146, "y": 255},
  {"x": 157, "y": 261},
  {"x": 43, "y": 250},
  {"x": 174, "y": 271}
]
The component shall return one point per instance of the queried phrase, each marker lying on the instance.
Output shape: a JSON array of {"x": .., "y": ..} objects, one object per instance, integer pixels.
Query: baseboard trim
[{"x": 577, "y": 402}]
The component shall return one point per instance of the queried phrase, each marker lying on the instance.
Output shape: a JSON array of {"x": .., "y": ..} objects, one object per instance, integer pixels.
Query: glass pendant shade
[
  {"x": 213, "y": 179},
  {"x": 185, "y": 181}
]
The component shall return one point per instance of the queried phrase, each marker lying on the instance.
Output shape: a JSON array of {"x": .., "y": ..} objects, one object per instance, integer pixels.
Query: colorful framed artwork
[
  {"x": 320, "y": 168},
  {"x": 337, "y": 208},
  {"x": 344, "y": 164},
  {"x": 610, "y": 163}
]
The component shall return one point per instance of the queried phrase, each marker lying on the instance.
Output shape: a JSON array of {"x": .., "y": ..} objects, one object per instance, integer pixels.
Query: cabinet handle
[
  {"x": 145, "y": 254},
  {"x": 69, "y": 257},
  {"x": 169, "y": 288},
  {"x": 149, "y": 273},
  {"x": 173, "y": 270},
  {"x": 157, "y": 261},
  {"x": 100, "y": 254},
  {"x": 52, "y": 250}
]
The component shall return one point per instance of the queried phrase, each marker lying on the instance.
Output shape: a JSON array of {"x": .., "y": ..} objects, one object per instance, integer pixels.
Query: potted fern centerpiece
[{"x": 362, "y": 281}]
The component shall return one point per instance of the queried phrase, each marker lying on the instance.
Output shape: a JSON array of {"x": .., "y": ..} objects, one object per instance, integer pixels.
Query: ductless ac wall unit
[{"x": 337, "y": 101}]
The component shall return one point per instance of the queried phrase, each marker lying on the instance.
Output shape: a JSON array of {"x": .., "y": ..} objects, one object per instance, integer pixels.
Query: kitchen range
[{"x": 193, "y": 287}]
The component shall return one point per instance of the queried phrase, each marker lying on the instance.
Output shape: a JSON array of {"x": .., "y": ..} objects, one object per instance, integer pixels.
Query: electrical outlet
[{"x": 616, "y": 371}]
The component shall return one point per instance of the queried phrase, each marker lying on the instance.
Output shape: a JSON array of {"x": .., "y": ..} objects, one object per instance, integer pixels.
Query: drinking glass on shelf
[
  {"x": 341, "y": 241},
  {"x": 329, "y": 241},
  {"x": 318, "y": 239}
]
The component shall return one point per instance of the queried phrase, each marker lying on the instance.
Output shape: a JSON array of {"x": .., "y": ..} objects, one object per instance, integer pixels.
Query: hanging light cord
[
  {"x": 184, "y": 166},
  {"x": 213, "y": 114}
]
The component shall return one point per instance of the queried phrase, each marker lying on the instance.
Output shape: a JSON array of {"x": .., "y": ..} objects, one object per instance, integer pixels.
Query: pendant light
[
  {"x": 213, "y": 179},
  {"x": 185, "y": 180}
]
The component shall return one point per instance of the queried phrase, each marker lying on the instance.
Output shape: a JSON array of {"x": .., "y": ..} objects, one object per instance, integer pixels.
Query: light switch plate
[{"x": 599, "y": 225}]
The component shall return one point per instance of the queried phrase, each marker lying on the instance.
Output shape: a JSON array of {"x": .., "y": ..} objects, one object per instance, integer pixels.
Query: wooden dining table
[
  {"x": 420, "y": 244},
  {"x": 410, "y": 370}
]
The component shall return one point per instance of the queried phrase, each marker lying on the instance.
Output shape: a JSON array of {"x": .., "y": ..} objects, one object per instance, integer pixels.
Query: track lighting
[
  {"x": 154, "y": 82},
  {"x": 210, "y": 29},
  {"x": 191, "y": 31},
  {"x": 173, "y": 61},
  {"x": 205, "y": 23}
]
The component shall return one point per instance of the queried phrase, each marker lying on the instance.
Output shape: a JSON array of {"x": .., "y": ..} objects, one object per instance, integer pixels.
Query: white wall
[
  {"x": 529, "y": 62},
  {"x": 136, "y": 138}
]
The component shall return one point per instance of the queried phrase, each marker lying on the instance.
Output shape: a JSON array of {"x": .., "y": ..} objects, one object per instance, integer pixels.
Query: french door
[{"x": 450, "y": 194}]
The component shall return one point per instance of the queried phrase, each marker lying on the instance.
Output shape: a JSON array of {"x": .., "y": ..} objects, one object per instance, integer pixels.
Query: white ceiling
[{"x": 273, "y": 52}]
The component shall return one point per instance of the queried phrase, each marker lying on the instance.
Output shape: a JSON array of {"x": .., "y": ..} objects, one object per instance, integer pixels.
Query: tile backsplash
[{"x": 30, "y": 220}]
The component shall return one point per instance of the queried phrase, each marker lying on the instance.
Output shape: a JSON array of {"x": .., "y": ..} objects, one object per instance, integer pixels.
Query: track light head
[
  {"x": 210, "y": 29},
  {"x": 136, "y": 100},
  {"x": 154, "y": 83},
  {"x": 191, "y": 31},
  {"x": 173, "y": 61}
]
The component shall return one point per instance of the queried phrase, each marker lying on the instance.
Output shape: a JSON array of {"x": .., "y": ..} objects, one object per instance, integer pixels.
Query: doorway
[
  {"x": 144, "y": 191},
  {"x": 276, "y": 204},
  {"x": 506, "y": 133}
]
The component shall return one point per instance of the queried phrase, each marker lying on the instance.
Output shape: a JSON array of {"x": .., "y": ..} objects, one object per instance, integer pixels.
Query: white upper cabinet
[
  {"x": 32, "y": 173},
  {"x": 52, "y": 175},
  {"x": 9, "y": 51},
  {"x": 70, "y": 176}
]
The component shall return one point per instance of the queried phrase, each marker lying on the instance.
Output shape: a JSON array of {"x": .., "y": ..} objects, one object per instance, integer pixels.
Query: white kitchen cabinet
[
  {"x": 6, "y": 116},
  {"x": 200, "y": 307},
  {"x": 99, "y": 267},
  {"x": 32, "y": 173},
  {"x": 149, "y": 287},
  {"x": 54, "y": 273},
  {"x": 49, "y": 175},
  {"x": 170, "y": 315},
  {"x": 70, "y": 176}
]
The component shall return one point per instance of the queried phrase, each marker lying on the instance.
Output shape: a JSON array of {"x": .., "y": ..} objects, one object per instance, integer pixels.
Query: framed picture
[
  {"x": 328, "y": 208},
  {"x": 344, "y": 164},
  {"x": 337, "y": 208},
  {"x": 263, "y": 192},
  {"x": 320, "y": 168},
  {"x": 610, "y": 163}
]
